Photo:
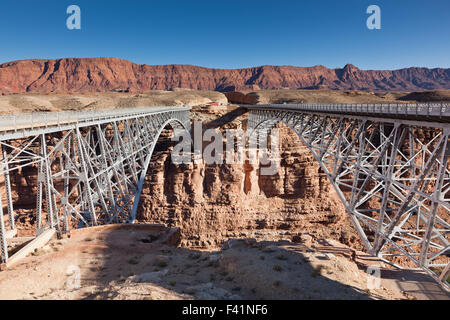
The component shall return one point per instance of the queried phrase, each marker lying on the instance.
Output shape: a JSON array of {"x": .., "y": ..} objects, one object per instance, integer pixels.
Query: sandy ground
[
  {"x": 30, "y": 102},
  {"x": 341, "y": 96},
  {"x": 24, "y": 103},
  {"x": 134, "y": 264},
  {"x": 325, "y": 96}
]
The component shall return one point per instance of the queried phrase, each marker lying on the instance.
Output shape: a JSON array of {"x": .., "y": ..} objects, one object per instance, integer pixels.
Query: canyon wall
[
  {"x": 111, "y": 74},
  {"x": 212, "y": 203}
]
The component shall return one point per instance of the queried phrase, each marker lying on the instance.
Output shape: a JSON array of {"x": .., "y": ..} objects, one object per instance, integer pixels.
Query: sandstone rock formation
[
  {"x": 36, "y": 102},
  {"x": 111, "y": 74},
  {"x": 212, "y": 203}
]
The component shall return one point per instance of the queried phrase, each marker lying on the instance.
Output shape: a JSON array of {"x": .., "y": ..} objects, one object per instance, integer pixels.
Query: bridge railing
[
  {"x": 434, "y": 110},
  {"x": 39, "y": 119}
]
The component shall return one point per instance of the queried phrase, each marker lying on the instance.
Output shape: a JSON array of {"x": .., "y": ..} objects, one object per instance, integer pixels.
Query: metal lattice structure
[
  {"x": 389, "y": 166},
  {"x": 89, "y": 166}
]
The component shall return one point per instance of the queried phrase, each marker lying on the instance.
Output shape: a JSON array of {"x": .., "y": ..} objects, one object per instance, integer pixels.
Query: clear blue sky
[{"x": 230, "y": 33}]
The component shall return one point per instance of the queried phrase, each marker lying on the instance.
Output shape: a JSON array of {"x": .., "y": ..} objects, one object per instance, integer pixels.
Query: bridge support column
[
  {"x": 437, "y": 196},
  {"x": 39, "y": 193},
  {"x": 9, "y": 200},
  {"x": 3, "y": 244},
  {"x": 85, "y": 178}
]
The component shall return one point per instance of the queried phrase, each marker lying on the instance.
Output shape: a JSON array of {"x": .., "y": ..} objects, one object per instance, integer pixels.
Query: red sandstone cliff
[{"x": 107, "y": 74}]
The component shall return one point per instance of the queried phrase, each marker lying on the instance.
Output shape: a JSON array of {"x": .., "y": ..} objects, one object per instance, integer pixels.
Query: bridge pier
[{"x": 3, "y": 244}]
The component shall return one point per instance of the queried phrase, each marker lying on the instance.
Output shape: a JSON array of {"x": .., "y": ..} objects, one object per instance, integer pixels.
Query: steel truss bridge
[
  {"x": 389, "y": 166},
  {"x": 89, "y": 166},
  {"x": 387, "y": 163}
]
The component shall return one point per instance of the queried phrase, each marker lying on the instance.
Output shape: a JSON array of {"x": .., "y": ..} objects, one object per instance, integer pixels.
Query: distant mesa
[{"x": 112, "y": 74}]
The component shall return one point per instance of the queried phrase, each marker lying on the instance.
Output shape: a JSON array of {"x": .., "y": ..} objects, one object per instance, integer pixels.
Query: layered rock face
[
  {"x": 111, "y": 74},
  {"x": 212, "y": 203}
]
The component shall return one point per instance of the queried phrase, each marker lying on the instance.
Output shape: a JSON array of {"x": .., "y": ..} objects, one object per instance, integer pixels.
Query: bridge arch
[
  {"x": 87, "y": 167},
  {"x": 135, "y": 140},
  {"x": 390, "y": 170},
  {"x": 173, "y": 124},
  {"x": 269, "y": 124}
]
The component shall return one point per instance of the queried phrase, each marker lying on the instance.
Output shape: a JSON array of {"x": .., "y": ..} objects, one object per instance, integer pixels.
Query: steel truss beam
[
  {"x": 89, "y": 172},
  {"x": 393, "y": 177}
]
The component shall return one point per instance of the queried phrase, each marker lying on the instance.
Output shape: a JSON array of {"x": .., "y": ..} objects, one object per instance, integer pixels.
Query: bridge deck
[
  {"x": 431, "y": 112},
  {"x": 26, "y": 124}
]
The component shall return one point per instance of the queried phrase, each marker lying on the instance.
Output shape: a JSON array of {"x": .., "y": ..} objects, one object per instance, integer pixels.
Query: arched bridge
[
  {"x": 86, "y": 168},
  {"x": 389, "y": 166}
]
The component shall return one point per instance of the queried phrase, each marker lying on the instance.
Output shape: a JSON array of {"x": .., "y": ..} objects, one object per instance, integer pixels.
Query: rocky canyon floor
[{"x": 142, "y": 262}]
